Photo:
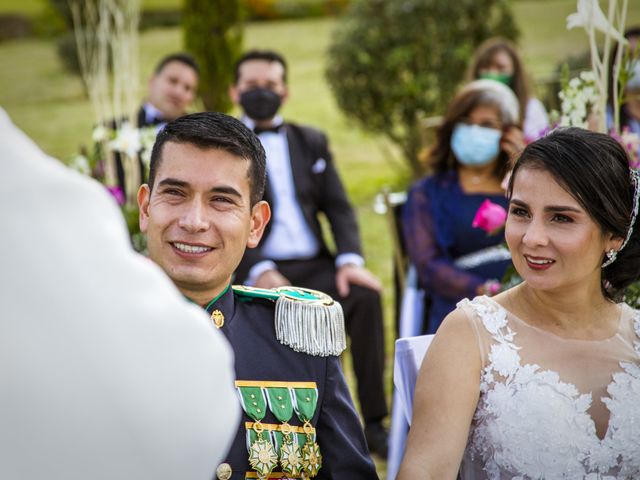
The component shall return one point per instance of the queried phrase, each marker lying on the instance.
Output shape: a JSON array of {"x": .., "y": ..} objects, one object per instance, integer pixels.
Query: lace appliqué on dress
[{"x": 531, "y": 425}]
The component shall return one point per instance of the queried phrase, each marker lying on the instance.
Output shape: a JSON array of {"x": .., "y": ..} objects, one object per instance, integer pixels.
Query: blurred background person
[
  {"x": 469, "y": 162},
  {"x": 171, "y": 90},
  {"x": 498, "y": 59},
  {"x": 302, "y": 186},
  {"x": 106, "y": 371}
]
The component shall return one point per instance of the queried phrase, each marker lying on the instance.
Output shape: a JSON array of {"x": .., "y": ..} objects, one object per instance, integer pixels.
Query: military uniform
[{"x": 312, "y": 405}]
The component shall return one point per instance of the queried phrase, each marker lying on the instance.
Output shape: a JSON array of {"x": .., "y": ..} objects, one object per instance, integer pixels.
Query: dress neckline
[{"x": 623, "y": 307}]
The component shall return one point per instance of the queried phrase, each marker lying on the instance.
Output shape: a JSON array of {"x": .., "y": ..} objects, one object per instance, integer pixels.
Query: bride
[{"x": 543, "y": 381}]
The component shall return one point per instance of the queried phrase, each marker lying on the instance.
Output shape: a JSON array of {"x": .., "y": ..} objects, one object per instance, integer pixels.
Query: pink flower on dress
[{"x": 490, "y": 217}]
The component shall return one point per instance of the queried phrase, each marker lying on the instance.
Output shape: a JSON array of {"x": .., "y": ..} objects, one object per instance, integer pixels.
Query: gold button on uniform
[{"x": 223, "y": 472}]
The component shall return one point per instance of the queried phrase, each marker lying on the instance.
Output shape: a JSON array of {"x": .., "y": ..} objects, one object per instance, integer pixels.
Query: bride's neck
[{"x": 574, "y": 310}]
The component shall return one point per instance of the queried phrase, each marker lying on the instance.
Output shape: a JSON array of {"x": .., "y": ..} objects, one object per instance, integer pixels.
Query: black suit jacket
[{"x": 318, "y": 190}]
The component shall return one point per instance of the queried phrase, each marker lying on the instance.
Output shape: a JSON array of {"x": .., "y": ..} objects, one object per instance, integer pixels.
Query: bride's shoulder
[{"x": 485, "y": 310}]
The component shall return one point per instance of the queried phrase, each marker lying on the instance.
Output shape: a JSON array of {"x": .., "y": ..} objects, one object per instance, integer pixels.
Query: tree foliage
[
  {"x": 213, "y": 33},
  {"x": 393, "y": 63}
]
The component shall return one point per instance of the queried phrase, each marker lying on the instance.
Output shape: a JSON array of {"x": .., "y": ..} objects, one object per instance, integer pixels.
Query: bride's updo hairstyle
[{"x": 594, "y": 169}]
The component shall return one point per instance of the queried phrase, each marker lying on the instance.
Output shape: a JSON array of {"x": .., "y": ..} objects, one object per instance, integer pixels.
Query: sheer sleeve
[
  {"x": 483, "y": 339},
  {"x": 435, "y": 268}
]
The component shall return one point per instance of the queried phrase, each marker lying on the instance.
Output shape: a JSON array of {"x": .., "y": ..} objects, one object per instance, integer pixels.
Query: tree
[
  {"x": 213, "y": 32},
  {"x": 393, "y": 63}
]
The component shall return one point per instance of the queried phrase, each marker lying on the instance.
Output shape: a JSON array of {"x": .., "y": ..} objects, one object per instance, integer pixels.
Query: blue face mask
[{"x": 475, "y": 145}]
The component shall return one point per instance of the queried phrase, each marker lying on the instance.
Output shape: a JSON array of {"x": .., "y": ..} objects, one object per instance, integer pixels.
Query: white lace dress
[{"x": 553, "y": 408}]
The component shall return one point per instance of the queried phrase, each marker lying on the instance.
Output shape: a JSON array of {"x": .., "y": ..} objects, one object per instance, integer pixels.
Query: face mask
[
  {"x": 474, "y": 145},
  {"x": 504, "y": 78},
  {"x": 260, "y": 103}
]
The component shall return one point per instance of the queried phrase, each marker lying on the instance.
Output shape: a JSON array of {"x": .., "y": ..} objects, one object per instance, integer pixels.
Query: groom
[{"x": 200, "y": 210}]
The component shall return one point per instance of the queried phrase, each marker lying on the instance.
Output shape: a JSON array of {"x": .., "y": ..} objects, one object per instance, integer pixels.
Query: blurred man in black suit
[{"x": 303, "y": 183}]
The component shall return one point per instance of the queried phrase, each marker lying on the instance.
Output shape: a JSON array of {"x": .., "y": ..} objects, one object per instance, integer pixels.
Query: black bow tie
[{"x": 274, "y": 129}]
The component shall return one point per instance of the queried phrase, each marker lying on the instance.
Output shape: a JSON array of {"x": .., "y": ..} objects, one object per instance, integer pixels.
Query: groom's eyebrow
[{"x": 173, "y": 182}]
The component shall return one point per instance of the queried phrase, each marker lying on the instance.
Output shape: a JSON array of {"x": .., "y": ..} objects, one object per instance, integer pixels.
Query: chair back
[{"x": 410, "y": 352}]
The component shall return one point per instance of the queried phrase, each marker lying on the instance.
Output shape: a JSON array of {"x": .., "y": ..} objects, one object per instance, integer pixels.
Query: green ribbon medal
[
  {"x": 262, "y": 455},
  {"x": 305, "y": 401},
  {"x": 281, "y": 406}
]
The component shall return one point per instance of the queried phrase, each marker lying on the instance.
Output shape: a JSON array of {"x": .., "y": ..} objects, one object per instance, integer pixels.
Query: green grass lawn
[{"x": 49, "y": 104}]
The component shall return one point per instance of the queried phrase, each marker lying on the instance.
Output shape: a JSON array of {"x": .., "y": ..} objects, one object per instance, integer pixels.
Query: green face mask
[{"x": 498, "y": 77}]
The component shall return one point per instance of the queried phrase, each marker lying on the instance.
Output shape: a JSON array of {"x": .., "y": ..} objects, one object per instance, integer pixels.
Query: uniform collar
[{"x": 223, "y": 304}]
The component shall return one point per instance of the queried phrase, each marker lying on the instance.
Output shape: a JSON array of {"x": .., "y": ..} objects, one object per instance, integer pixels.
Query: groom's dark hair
[{"x": 212, "y": 130}]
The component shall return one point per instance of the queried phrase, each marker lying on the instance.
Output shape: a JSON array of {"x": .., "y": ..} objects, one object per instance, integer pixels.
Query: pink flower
[
  {"x": 490, "y": 217},
  {"x": 117, "y": 193}
]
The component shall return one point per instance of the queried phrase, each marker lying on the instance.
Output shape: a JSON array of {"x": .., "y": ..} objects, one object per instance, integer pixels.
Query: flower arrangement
[
  {"x": 578, "y": 98},
  {"x": 106, "y": 33},
  {"x": 129, "y": 144}
]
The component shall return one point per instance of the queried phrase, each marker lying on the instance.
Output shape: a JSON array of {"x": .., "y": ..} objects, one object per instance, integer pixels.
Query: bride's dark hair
[{"x": 594, "y": 169}]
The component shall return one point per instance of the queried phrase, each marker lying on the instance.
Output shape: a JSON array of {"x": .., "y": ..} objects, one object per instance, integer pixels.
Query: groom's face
[{"x": 198, "y": 217}]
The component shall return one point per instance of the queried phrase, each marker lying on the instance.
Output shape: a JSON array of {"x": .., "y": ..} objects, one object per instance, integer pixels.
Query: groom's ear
[{"x": 144, "y": 193}]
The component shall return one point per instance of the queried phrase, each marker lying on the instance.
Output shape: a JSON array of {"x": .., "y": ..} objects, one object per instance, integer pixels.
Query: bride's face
[{"x": 553, "y": 240}]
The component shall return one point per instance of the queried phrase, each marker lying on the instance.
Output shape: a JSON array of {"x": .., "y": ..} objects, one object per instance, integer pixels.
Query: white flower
[
  {"x": 588, "y": 76},
  {"x": 127, "y": 140},
  {"x": 80, "y": 163},
  {"x": 589, "y": 15},
  {"x": 494, "y": 321},
  {"x": 99, "y": 133},
  {"x": 145, "y": 156},
  {"x": 505, "y": 359},
  {"x": 148, "y": 137}
]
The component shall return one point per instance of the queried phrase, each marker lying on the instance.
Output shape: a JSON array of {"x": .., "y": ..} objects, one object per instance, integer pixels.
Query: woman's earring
[{"x": 611, "y": 257}]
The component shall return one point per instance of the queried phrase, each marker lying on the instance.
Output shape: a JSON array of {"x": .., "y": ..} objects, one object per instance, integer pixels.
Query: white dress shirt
[
  {"x": 290, "y": 237},
  {"x": 151, "y": 115}
]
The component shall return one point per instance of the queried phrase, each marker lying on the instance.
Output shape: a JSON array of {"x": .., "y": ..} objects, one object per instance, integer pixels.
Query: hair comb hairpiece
[{"x": 612, "y": 254}]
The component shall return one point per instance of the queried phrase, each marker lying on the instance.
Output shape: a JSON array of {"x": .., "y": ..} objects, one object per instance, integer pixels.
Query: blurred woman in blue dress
[{"x": 471, "y": 156}]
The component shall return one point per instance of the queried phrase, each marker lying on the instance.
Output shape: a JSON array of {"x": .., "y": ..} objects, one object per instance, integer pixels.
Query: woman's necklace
[{"x": 477, "y": 179}]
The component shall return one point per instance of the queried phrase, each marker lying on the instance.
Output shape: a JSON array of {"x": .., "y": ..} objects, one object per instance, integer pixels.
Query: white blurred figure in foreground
[{"x": 106, "y": 372}]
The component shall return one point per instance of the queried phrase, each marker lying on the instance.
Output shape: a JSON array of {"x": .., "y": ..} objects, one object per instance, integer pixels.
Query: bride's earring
[{"x": 611, "y": 257}]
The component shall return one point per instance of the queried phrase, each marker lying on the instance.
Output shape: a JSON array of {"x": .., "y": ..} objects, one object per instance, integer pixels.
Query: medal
[
  {"x": 262, "y": 455},
  {"x": 311, "y": 457},
  {"x": 290, "y": 456}
]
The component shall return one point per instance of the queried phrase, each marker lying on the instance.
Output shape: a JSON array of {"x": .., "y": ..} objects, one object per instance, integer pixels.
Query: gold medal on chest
[
  {"x": 311, "y": 459},
  {"x": 290, "y": 455},
  {"x": 262, "y": 457}
]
